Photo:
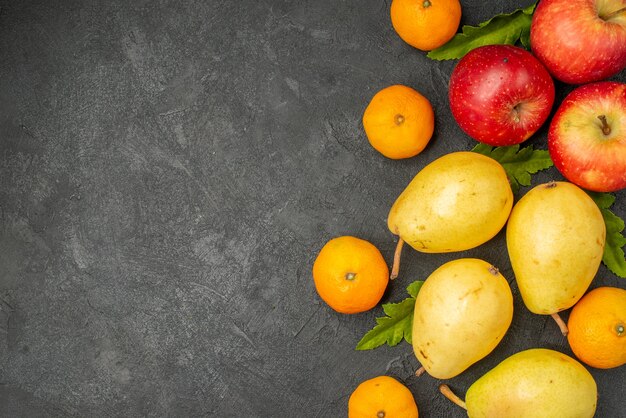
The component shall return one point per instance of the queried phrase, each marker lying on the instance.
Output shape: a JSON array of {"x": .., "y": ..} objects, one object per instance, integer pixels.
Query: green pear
[
  {"x": 536, "y": 383},
  {"x": 461, "y": 313},
  {"x": 455, "y": 203},
  {"x": 555, "y": 238}
]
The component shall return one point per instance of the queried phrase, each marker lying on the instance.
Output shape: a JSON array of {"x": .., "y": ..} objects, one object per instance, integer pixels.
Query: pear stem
[
  {"x": 447, "y": 392},
  {"x": 420, "y": 371},
  {"x": 606, "y": 128},
  {"x": 550, "y": 184},
  {"x": 395, "y": 269},
  {"x": 562, "y": 325}
]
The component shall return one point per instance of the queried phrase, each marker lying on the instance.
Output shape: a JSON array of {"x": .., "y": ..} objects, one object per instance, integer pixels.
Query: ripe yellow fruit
[
  {"x": 555, "y": 238},
  {"x": 455, "y": 203},
  {"x": 462, "y": 312}
]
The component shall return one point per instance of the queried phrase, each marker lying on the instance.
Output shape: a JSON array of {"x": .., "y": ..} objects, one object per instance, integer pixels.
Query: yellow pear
[
  {"x": 555, "y": 238},
  {"x": 461, "y": 314},
  {"x": 535, "y": 383},
  {"x": 455, "y": 203}
]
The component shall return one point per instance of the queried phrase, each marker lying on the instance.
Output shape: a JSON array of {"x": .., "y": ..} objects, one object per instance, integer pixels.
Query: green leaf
[
  {"x": 603, "y": 200},
  {"x": 396, "y": 325},
  {"x": 613, "y": 256},
  {"x": 518, "y": 163},
  {"x": 414, "y": 288},
  {"x": 524, "y": 38},
  {"x": 501, "y": 29}
]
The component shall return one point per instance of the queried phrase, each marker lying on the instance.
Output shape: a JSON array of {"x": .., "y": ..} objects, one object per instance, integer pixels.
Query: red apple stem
[
  {"x": 447, "y": 392},
  {"x": 606, "y": 128},
  {"x": 562, "y": 325},
  {"x": 516, "y": 110},
  {"x": 396, "y": 259}
]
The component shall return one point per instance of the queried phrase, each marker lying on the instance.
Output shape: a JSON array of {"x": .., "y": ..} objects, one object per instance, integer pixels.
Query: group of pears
[{"x": 555, "y": 236}]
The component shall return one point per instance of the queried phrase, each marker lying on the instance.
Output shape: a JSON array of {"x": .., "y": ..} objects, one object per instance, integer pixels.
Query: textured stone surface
[{"x": 169, "y": 170}]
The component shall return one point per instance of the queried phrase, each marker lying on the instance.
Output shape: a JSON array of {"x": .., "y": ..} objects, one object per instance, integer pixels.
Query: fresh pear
[
  {"x": 461, "y": 313},
  {"x": 555, "y": 238},
  {"x": 536, "y": 383},
  {"x": 455, "y": 203}
]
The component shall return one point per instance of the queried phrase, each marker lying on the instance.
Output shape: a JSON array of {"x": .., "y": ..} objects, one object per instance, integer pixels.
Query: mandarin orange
[
  {"x": 597, "y": 323},
  {"x": 382, "y": 397},
  {"x": 350, "y": 274},
  {"x": 399, "y": 122},
  {"x": 426, "y": 24}
]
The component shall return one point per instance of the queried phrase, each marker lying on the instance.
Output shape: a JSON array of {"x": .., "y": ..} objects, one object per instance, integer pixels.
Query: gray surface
[{"x": 170, "y": 170}]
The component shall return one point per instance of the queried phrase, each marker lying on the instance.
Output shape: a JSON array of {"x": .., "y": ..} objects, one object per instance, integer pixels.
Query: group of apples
[{"x": 501, "y": 94}]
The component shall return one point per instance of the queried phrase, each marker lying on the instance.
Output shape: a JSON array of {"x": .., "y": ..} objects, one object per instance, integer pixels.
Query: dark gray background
[{"x": 170, "y": 170}]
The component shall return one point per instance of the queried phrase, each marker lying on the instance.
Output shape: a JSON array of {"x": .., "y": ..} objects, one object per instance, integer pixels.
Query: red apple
[
  {"x": 500, "y": 94},
  {"x": 587, "y": 137},
  {"x": 580, "y": 41}
]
